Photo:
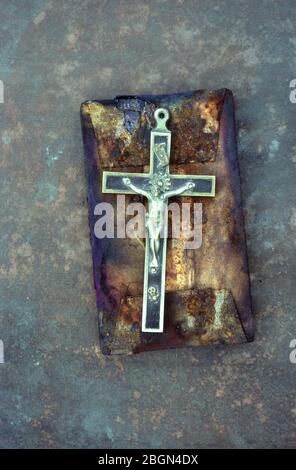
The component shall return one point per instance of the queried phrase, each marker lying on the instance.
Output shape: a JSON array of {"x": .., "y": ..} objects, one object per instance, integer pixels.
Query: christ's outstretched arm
[
  {"x": 137, "y": 190},
  {"x": 182, "y": 189}
]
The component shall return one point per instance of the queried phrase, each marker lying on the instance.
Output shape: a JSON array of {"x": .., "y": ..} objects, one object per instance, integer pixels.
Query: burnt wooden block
[{"x": 207, "y": 289}]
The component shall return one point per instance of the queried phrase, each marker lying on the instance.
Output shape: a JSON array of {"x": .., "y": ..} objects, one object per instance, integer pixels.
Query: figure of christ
[{"x": 157, "y": 203}]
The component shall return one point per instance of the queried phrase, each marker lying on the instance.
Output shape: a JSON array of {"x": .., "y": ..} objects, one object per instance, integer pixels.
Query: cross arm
[
  {"x": 114, "y": 182},
  {"x": 202, "y": 185}
]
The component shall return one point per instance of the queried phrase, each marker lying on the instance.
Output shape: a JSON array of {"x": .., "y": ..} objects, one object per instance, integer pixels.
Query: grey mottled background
[{"x": 56, "y": 389}]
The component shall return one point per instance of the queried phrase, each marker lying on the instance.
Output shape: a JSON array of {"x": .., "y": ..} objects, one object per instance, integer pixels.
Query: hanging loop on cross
[{"x": 161, "y": 116}]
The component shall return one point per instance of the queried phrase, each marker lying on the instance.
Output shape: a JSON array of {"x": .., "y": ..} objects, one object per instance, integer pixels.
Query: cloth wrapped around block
[{"x": 207, "y": 288}]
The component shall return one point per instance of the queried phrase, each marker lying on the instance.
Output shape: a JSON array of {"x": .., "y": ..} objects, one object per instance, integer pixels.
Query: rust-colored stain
[{"x": 208, "y": 298}]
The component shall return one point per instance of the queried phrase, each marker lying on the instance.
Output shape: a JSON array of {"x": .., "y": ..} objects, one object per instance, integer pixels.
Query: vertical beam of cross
[{"x": 157, "y": 186}]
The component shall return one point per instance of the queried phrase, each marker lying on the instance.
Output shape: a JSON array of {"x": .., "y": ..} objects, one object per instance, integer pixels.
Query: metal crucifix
[{"x": 157, "y": 186}]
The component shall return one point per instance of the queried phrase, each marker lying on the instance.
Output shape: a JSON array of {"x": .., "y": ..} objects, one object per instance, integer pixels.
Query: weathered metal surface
[
  {"x": 216, "y": 283},
  {"x": 122, "y": 131}
]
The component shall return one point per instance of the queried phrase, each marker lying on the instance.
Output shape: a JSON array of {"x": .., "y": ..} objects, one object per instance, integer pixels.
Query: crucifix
[{"x": 157, "y": 186}]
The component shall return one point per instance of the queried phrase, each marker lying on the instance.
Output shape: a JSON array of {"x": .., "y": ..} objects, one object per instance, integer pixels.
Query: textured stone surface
[{"x": 56, "y": 389}]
